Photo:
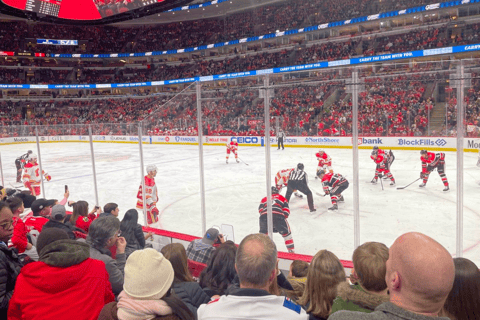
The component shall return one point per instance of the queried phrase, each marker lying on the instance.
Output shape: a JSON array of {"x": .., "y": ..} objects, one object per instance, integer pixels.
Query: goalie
[
  {"x": 31, "y": 175},
  {"x": 151, "y": 195}
]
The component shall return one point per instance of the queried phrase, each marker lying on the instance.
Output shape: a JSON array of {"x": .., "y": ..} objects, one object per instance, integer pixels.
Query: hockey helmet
[
  {"x": 274, "y": 190},
  {"x": 32, "y": 156},
  {"x": 151, "y": 168},
  {"x": 320, "y": 173},
  {"x": 29, "y": 151},
  {"x": 321, "y": 151},
  {"x": 375, "y": 148},
  {"x": 422, "y": 152},
  {"x": 300, "y": 166}
]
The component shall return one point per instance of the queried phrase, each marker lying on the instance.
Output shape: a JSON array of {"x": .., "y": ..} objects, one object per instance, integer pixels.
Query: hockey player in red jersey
[
  {"x": 333, "y": 184},
  {"x": 233, "y": 147},
  {"x": 389, "y": 157},
  {"x": 324, "y": 161},
  {"x": 280, "y": 211},
  {"x": 430, "y": 162},
  {"x": 382, "y": 167},
  {"x": 31, "y": 175},
  {"x": 151, "y": 195}
]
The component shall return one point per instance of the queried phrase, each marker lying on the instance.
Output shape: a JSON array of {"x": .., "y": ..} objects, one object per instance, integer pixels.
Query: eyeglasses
[{"x": 7, "y": 225}]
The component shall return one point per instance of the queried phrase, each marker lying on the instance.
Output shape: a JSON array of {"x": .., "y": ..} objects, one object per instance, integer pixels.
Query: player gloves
[{"x": 48, "y": 177}]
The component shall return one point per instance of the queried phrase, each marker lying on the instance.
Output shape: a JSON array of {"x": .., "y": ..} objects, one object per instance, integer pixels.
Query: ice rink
[{"x": 234, "y": 191}]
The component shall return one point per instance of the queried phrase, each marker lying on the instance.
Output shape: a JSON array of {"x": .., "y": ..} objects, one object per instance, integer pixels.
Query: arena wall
[{"x": 396, "y": 143}]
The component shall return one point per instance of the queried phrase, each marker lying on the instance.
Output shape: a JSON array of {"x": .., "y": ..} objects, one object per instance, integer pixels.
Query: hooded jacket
[
  {"x": 355, "y": 298},
  {"x": 9, "y": 270},
  {"x": 64, "y": 284}
]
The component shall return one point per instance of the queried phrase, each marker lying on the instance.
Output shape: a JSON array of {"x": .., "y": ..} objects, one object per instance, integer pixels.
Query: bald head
[
  {"x": 256, "y": 260},
  {"x": 420, "y": 273}
]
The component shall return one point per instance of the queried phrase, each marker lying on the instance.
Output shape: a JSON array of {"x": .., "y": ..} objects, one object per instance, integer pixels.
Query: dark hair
[
  {"x": 179, "y": 308},
  {"x": 109, "y": 207},
  {"x": 80, "y": 208},
  {"x": 220, "y": 270},
  {"x": 14, "y": 203},
  {"x": 101, "y": 230},
  {"x": 299, "y": 268},
  {"x": 129, "y": 222},
  {"x": 463, "y": 301},
  {"x": 176, "y": 254}
]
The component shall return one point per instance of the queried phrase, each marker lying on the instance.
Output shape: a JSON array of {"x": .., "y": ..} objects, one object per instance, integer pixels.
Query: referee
[{"x": 280, "y": 137}]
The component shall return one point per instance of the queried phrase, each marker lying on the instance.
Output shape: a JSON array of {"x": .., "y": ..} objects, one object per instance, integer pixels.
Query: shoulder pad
[{"x": 289, "y": 304}]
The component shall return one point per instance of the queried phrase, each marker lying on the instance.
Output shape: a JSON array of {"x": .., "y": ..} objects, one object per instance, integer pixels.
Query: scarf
[{"x": 133, "y": 309}]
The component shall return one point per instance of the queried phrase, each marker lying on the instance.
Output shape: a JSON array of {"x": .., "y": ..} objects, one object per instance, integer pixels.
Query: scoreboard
[
  {"x": 80, "y": 9},
  {"x": 48, "y": 7}
]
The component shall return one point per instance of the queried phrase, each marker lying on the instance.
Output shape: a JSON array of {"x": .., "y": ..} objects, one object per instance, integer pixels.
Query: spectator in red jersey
[
  {"x": 20, "y": 231},
  {"x": 80, "y": 217},
  {"x": 41, "y": 210},
  {"x": 82, "y": 295}
]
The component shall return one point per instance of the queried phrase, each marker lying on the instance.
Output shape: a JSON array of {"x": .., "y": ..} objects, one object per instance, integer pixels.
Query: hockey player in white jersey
[{"x": 31, "y": 175}]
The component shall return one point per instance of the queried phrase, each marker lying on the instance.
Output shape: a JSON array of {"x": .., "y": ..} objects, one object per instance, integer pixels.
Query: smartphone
[
  {"x": 97, "y": 207},
  {"x": 66, "y": 188}
]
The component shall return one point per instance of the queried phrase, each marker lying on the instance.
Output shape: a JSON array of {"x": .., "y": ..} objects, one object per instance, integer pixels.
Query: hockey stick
[
  {"x": 319, "y": 194},
  {"x": 399, "y": 188},
  {"x": 242, "y": 160},
  {"x": 381, "y": 182}
]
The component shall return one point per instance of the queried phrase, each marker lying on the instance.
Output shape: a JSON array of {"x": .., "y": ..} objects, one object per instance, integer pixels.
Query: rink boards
[{"x": 398, "y": 143}]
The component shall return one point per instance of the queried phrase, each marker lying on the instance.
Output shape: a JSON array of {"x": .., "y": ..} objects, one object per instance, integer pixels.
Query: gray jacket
[
  {"x": 385, "y": 311},
  {"x": 115, "y": 268}
]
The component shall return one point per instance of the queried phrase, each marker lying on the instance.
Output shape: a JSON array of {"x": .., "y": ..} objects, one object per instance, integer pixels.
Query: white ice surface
[{"x": 234, "y": 190}]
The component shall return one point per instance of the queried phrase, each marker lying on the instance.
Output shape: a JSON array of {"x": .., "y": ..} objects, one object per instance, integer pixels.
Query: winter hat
[
  {"x": 58, "y": 212},
  {"x": 48, "y": 236},
  {"x": 210, "y": 236},
  {"x": 147, "y": 273}
]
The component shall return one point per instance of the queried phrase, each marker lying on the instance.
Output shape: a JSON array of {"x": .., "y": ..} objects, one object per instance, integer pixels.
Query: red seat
[{"x": 195, "y": 268}]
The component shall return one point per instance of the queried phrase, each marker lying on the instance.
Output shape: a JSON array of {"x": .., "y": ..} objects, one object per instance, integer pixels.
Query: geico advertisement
[{"x": 248, "y": 140}]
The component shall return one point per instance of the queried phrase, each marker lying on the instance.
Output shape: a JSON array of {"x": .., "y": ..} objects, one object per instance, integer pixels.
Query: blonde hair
[
  {"x": 324, "y": 274},
  {"x": 370, "y": 264}
]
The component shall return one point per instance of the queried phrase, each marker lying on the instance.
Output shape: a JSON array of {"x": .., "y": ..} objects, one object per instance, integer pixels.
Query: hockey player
[
  {"x": 233, "y": 147},
  {"x": 31, "y": 175},
  {"x": 298, "y": 180},
  {"x": 281, "y": 180},
  {"x": 334, "y": 185},
  {"x": 430, "y": 162},
  {"x": 151, "y": 195},
  {"x": 389, "y": 157},
  {"x": 280, "y": 211},
  {"x": 324, "y": 161},
  {"x": 20, "y": 164},
  {"x": 382, "y": 167}
]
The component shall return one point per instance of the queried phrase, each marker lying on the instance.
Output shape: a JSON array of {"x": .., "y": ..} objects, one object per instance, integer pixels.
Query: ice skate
[
  {"x": 334, "y": 207},
  {"x": 237, "y": 160},
  {"x": 313, "y": 210},
  {"x": 392, "y": 183},
  {"x": 422, "y": 185},
  {"x": 298, "y": 195},
  {"x": 291, "y": 250},
  {"x": 341, "y": 199},
  {"x": 446, "y": 188},
  {"x": 227, "y": 161},
  {"x": 374, "y": 181}
]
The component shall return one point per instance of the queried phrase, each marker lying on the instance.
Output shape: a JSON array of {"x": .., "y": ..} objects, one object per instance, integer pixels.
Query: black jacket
[
  {"x": 65, "y": 227},
  {"x": 9, "y": 270},
  {"x": 191, "y": 294},
  {"x": 135, "y": 240}
]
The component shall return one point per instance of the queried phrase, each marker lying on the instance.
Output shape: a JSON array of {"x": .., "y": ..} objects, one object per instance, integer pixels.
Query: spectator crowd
[{"x": 97, "y": 266}]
